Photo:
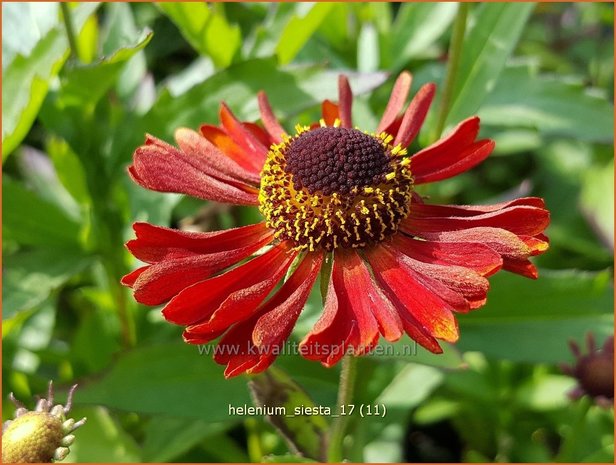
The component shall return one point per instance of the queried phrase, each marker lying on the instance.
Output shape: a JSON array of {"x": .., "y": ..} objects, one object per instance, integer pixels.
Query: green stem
[
  {"x": 70, "y": 31},
  {"x": 348, "y": 374},
  {"x": 255, "y": 449},
  {"x": 453, "y": 64}
]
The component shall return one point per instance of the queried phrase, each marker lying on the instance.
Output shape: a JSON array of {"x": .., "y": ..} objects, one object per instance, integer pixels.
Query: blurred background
[{"x": 541, "y": 78}]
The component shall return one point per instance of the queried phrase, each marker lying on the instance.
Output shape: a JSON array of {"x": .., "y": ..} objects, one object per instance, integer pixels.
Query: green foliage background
[{"x": 541, "y": 78}]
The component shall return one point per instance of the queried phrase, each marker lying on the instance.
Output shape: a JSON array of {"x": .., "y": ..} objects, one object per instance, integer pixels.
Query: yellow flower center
[{"x": 335, "y": 187}]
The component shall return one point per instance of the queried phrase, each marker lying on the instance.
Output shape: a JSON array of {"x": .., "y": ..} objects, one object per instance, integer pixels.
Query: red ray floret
[
  {"x": 156, "y": 165},
  {"x": 355, "y": 312},
  {"x": 253, "y": 344},
  {"x": 178, "y": 259},
  {"x": 219, "y": 301}
]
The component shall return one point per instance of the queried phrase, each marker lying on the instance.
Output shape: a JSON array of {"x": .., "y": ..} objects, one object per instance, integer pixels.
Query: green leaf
[
  {"x": 299, "y": 29},
  {"x": 121, "y": 31},
  {"x": 101, "y": 439},
  {"x": 532, "y": 321},
  {"x": 85, "y": 85},
  {"x": 206, "y": 30},
  {"x": 29, "y": 220},
  {"x": 485, "y": 50},
  {"x": 166, "y": 438},
  {"x": 69, "y": 169},
  {"x": 547, "y": 392},
  {"x": 397, "y": 395},
  {"x": 550, "y": 105},
  {"x": 305, "y": 433},
  {"x": 368, "y": 48},
  {"x": 23, "y": 26},
  {"x": 416, "y": 29},
  {"x": 26, "y": 78},
  {"x": 171, "y": 379},
  {"x": 409, "y": 350},
  {"x": 38, "y": 173},
  {"x": 29, "y": 277},
  {"x": 597, "y": 201}
]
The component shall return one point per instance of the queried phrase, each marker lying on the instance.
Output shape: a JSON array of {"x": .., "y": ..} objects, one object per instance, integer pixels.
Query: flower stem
[
  {"x": 70, "y": 31},
  {"x": 453, "y": 64},
  {"x": 255, "y": 450},
  {"x": 348, "y": 374}
]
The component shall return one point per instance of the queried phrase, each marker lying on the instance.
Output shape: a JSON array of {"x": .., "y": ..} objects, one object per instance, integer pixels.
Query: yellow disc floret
[{"x": 335, "y": 187}]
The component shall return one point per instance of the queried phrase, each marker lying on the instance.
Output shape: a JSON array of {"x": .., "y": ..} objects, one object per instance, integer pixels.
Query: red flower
[{"x": 328, "y": 192}]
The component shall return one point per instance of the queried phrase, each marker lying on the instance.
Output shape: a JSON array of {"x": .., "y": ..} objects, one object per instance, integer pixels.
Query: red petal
[
  {"x": 270, "y": 121},
  {"x": 415, "y": 115},
  {"x": 422, "y": 209},
  {"x": 518, "y": 219},
  {"x": 355, "y": 311},
  {"x": 396, "y": 101},
  {"x": 187, "y": 258},
  {"x": 330, "y": 112},
  {"x": 242, "y": 136},
  {"x": 259, "y": 133},
  {"x": 452, "y": 155},
  {"x": 268, "y": 330},
  {"x": 474, "y": 255},
  {"x": 212, "y": 160},
  {"x": 129, "y": 279},
  {"x": 515, "y": 250},
  {"x": 412, "y": 299},
  {"x": 218, "y": 302},
  {"x": 223, "y": 141},
  {"x": 521, "y": 267},
  {"x": 464, "y": 282},
  {"x": 161, "y": 167},
  {"x": 156, "y": 243},
  {"x": 537, "y": 245},
  {"x": 345, "y": 96},
  {"x": 279, "y": 314}
]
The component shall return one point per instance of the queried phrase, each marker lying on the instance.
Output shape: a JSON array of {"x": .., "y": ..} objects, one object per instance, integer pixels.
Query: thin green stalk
[
  {"x": 255, "y": 449},
  {"x": 346, "y": 388},
  {"x": 70, "y": 31},
  {"x": 453, "y": 64}
]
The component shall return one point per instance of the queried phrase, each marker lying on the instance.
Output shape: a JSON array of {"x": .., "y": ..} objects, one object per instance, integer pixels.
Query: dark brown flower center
[
  {"x": 336, "y": 160},
  {"x": 333, "y": 187}
]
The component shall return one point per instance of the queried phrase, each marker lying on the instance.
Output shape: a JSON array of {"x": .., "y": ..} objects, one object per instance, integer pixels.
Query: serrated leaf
[{"x": 306, "y": 434}]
